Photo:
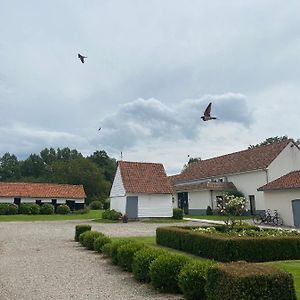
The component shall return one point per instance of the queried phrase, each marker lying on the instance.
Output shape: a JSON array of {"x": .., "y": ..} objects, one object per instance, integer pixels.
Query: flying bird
[
  {"x": 99, "y": 128},
  {"x": 206, "y": 116},
  {"x": 81, "y": 57}
]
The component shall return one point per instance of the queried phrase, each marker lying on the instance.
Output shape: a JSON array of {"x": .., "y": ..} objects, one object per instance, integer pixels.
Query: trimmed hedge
[
  {"x": 29, "y": 209},
  {"x": 142, "y": 260},
  {"x": 192, "y": 279},
  {"x": 164, "y": 272},
  {"x": 106, "y": 249},
  {"x": 100, "y": 242},
  {"x": 87, "y": 238},
  {"x": 177, "y": 213},
  {"x": 115, "y": 245},
  {"x": 246, "y": 281},
  {"x": 226, "y": 249},
  {"x": 47, "y": 209},
  {"x": 125, "y": 254},
  {"x": 111, "y": 214},
  {"x": 8, "y": 209},
  {"x": 81, "y": 228},
  {"x": 63, "y": 209}
]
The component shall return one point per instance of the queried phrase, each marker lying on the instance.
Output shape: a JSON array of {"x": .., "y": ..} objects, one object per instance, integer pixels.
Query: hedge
[
  {"x": 47, "y": 209},
  {"x": 87, "y": 238},
  {"x": 106, "y": 249},
  {"x": 115, "y": 245},
  {"x": 29, "y": 209},
  {"x": 142, "y": 260},
  {"x": 111, "y": 214},
  {"x": 81, "y": 228},
  {"x": 226, "y": 249},
  {"x": 246, "y": 281},
  {"x": 177, "y": 213},
  {"x": 8, "y": 209},
  {"x": 100, "y": 241},
  {"x": 125, "y": 254},
  {"x": 63, "y": 209}
]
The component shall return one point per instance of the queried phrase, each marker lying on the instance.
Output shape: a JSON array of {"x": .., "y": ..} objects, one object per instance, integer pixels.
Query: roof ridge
[
  {"x": 44, "y": 183},
  {"x": 138, "y": 162}
]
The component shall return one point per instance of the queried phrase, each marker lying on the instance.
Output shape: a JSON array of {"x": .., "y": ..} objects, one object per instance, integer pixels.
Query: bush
[
  {"x": 246, "y": 281},
  {"x": 106, "y": 204},
  {"x": 63, "y": 209},
  {"x": 81, "y": 211},
  {"x": 225, "y": 248},
  {"x": 81, "y": 228},
  {"x": 96, "y": 205},
  {"x": 111, "y": 214},
  {"x": 142, "y": 260},
  {"x": 164, "y": 272},
  {"x": 177, "y": 213},
  {"x": 87, "y": 238},
  {"x": 106, "y": 249},
  {"x": 125, "y": 254},
  {"x": 115, "y": 245},
  {"x": 8, "y": 209},
  {"x": 192, "y": 279},
  {"x": 29, "y": 209},
  {"x": 209, "y": 211},
  {"x": 100, "y": 242},
  {"x": 47, "y": 209}
]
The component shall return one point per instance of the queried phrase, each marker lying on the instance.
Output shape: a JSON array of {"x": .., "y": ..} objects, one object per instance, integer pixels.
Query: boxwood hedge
[
  {"x": 125, "y": 254},
  {"x": 81, "y": 228}
]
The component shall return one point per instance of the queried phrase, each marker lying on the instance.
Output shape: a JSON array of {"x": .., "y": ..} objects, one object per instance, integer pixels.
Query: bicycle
[{"x": 268, "y": 219}]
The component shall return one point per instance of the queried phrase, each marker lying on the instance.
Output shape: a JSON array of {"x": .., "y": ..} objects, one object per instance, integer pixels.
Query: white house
[
  {"x": 40, "y": 193},
  {"x": 204, "y": 182},
  {"x": 283, "y": 194},
  {"x": 141, "y": 190}
]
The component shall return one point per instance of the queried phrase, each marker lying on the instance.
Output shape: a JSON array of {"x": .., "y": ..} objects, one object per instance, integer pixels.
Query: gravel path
[{"x": 40, "y": 261}]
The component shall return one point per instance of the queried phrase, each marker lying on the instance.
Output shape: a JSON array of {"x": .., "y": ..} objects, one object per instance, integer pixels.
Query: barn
[{"x": 141, "y": 190}]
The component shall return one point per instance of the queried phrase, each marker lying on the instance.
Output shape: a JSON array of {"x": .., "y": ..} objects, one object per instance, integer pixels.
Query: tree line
[{"x": 95, "y": 172}]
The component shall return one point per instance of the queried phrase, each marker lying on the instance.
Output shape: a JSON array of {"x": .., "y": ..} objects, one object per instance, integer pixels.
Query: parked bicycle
[{"x": 268, "y": 219}]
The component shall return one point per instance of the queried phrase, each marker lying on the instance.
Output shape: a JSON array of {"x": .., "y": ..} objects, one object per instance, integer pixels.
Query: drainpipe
[{"x": 211, "y": 199}]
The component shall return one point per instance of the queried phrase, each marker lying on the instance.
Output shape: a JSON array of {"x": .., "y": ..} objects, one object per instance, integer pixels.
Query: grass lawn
[
  {"x": 162, "y": 220},
  {"x": 215, "y": 217},
  {"x": 92, "y": 214}
]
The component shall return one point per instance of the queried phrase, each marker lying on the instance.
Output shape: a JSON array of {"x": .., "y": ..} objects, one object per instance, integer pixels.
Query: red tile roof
[
  {"x": 242, "y": 161},
  {"x": 148, "y": 178},
  {"x": 212, "y": 186},
  {"x": 41, "y": 190},
  {"x": 288, "y": 181}
]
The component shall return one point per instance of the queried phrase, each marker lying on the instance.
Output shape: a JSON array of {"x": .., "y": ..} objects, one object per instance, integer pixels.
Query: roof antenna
[{"x": 121, "y": 155}]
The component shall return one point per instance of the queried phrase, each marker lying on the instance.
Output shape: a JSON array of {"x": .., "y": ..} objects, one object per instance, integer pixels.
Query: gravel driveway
[{"x": 40, "y": 260}]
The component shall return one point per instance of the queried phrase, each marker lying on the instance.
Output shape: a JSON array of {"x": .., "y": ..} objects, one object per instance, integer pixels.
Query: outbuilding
[{"x": 141, "y": 190}]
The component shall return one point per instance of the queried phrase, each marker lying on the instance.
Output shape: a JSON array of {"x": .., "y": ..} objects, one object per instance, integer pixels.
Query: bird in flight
[
  {"x": 81, "y": 57},
  {"x": 206, "y": 116},
  {"x": 99, "y": 128}
]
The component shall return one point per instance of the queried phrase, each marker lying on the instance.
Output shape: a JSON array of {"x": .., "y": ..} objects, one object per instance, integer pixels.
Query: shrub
[
  {"x": 142, "y": 260},
  {"x": 111, "y": 214},
  {"x": 164, "y": 272},
  {"x": 81, "y": 211},
  {"x": 177, "y": 213},
  {"x": 106, "y": 249},
  {"x": 106, "y": 204},
  {"x": 47, "y": 209},
  {"x": 192, "y": 279},
  {"x": 81, "y": 228},
  {"x": 125, "y": 254},
  {"x": 87, "y": 238},
  {"x": 209, "y": 211},
  {"x": 96, "y": 205},
  {"x": 226, "y": 248},
  {"x": 236, "y": 281},
  {"x": 100, "y": 242},
  {"x": 63, "y": 209},
  {"x": 115, "y": 245},
  {"x": 29, "y": 209},
  {"x": 8, "y": 209}
]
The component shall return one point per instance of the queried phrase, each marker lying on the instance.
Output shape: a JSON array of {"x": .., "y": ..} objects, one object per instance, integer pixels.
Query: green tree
[
  {"x": 33, "y": 166},
  {"x": 9, "y": 167},
  {"x": 272, "y": 140}
]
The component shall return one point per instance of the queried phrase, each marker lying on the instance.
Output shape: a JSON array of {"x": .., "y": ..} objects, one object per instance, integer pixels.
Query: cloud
[{"x": 145, "y": 120}]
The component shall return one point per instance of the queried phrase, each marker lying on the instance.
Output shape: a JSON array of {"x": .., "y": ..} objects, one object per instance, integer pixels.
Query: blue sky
[{"x": 152, "y": 68}]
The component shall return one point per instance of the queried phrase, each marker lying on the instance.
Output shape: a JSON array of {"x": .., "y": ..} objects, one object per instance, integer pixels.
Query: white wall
[
  {"x": 288, "y": 160},
  {"x": 248, "y": 183},
  {"x": 6, "y": 200},
  {"x": 117, "y": 188},
  {"x": 282, "y": 201},
  {"x": 118, "y": 204},
  {"x": 155, "y": 205},
  {"x": 44, "y": 200},
  {"x": 199, "y": 199}
]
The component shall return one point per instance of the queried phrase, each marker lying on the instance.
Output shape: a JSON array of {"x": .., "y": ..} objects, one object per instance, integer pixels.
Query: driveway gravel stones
[{"x": 41, "y": 261}]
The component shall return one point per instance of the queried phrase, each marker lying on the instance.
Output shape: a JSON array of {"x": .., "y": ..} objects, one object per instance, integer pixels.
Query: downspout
[{"x": 211, "y": 199}]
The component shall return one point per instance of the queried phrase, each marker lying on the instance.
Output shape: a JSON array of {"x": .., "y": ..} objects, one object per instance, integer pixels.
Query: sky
[{"x": 152, "y": 67}]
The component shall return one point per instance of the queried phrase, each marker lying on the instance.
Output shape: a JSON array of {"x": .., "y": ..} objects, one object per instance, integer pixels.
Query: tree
[
  {"x": 33, "y": 166},
  {"x": 271, "y": 140},
  {"x": 9, "y": 167}
]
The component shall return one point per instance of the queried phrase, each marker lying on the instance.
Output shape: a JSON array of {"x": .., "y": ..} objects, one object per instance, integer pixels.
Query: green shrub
[
  {"x": 87, "y": 238},
  {"x": 115, "y": 245},
  {"x": 47, "y": 209},
  {"x": 81, "y": 211},
  {"x": 100, "y": 242},
  {"x": 209, "y": 211},
  {"x": 177, "y": 213},
  {"x": 8, "y": 209},
  {"x": 247, "y": 281},
  {"x": 164, "y": 272},
  {"x": 111, "y": 214},
  {"x": 142, "y": 260},
  {"x": 63, "y": 209},
  {"x": 96, "y": 204},
  {"x": 81, "y": 228},
  {"x": 192, "y": 279},
  {"x": 125, "y": 255},
  {"x": 29, "y": 209},
  {"x": 106, "y": 249},
  {"x": 225, "y": 248}
]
